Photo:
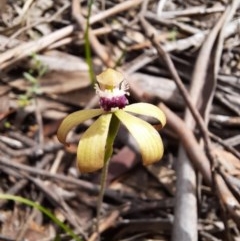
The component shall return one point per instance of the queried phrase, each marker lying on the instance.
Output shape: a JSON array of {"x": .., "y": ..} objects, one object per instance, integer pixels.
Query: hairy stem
[
  {"x": 101, "y": 194},
  {"x": 113, "y": 130}
]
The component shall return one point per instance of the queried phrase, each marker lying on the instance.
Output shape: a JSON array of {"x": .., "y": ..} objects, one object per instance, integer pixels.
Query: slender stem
[
  {"x": 101, "y": 194},
  {"x": 113, "y": 130}
]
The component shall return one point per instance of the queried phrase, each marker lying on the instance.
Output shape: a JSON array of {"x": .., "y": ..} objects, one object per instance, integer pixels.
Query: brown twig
[
  {"x": 90, "y": 187},
  {"x": 195, "y": 152},
  {"x": 181, "y": 88},
  {"x": 14, "y": 55},
  {"x": 192, "y": 11},
  {"x": 200, "y": 161},
  {"x": 121, "y": 7},
  {"x": 108, "y": 222},
  {"x": 230, "y": 202},
  {"x": 198, "y": 78},
  {"x": 225, "y": 145}
]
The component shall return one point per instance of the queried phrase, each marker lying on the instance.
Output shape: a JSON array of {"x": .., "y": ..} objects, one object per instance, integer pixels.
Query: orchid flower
[{"x": 96, "y": 144}]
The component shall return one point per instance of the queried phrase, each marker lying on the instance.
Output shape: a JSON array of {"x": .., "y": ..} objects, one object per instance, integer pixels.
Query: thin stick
[{"x": 169, "y": 63}]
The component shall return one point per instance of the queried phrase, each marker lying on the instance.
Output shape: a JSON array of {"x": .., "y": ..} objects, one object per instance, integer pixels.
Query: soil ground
[{"x": 183, "y": 56}]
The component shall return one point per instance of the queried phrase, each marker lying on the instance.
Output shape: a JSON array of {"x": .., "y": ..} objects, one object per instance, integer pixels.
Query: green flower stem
[
  {"x": 113, "y": 130},
  {"x": 101, "y": 194}
]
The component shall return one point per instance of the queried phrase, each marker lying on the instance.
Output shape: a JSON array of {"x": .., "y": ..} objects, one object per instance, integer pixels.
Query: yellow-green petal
[
  {"x": 91, "y": 147},
  {"x": 75, "y": 119},
  {"x": 147, "y": 138},
  {"x": 147, "y": 110}
]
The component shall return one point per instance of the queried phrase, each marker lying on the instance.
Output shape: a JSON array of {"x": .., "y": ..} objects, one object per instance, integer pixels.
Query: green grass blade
[
  {"x": 43, "y": 210},
  {"x": 87, "y": 46}
]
